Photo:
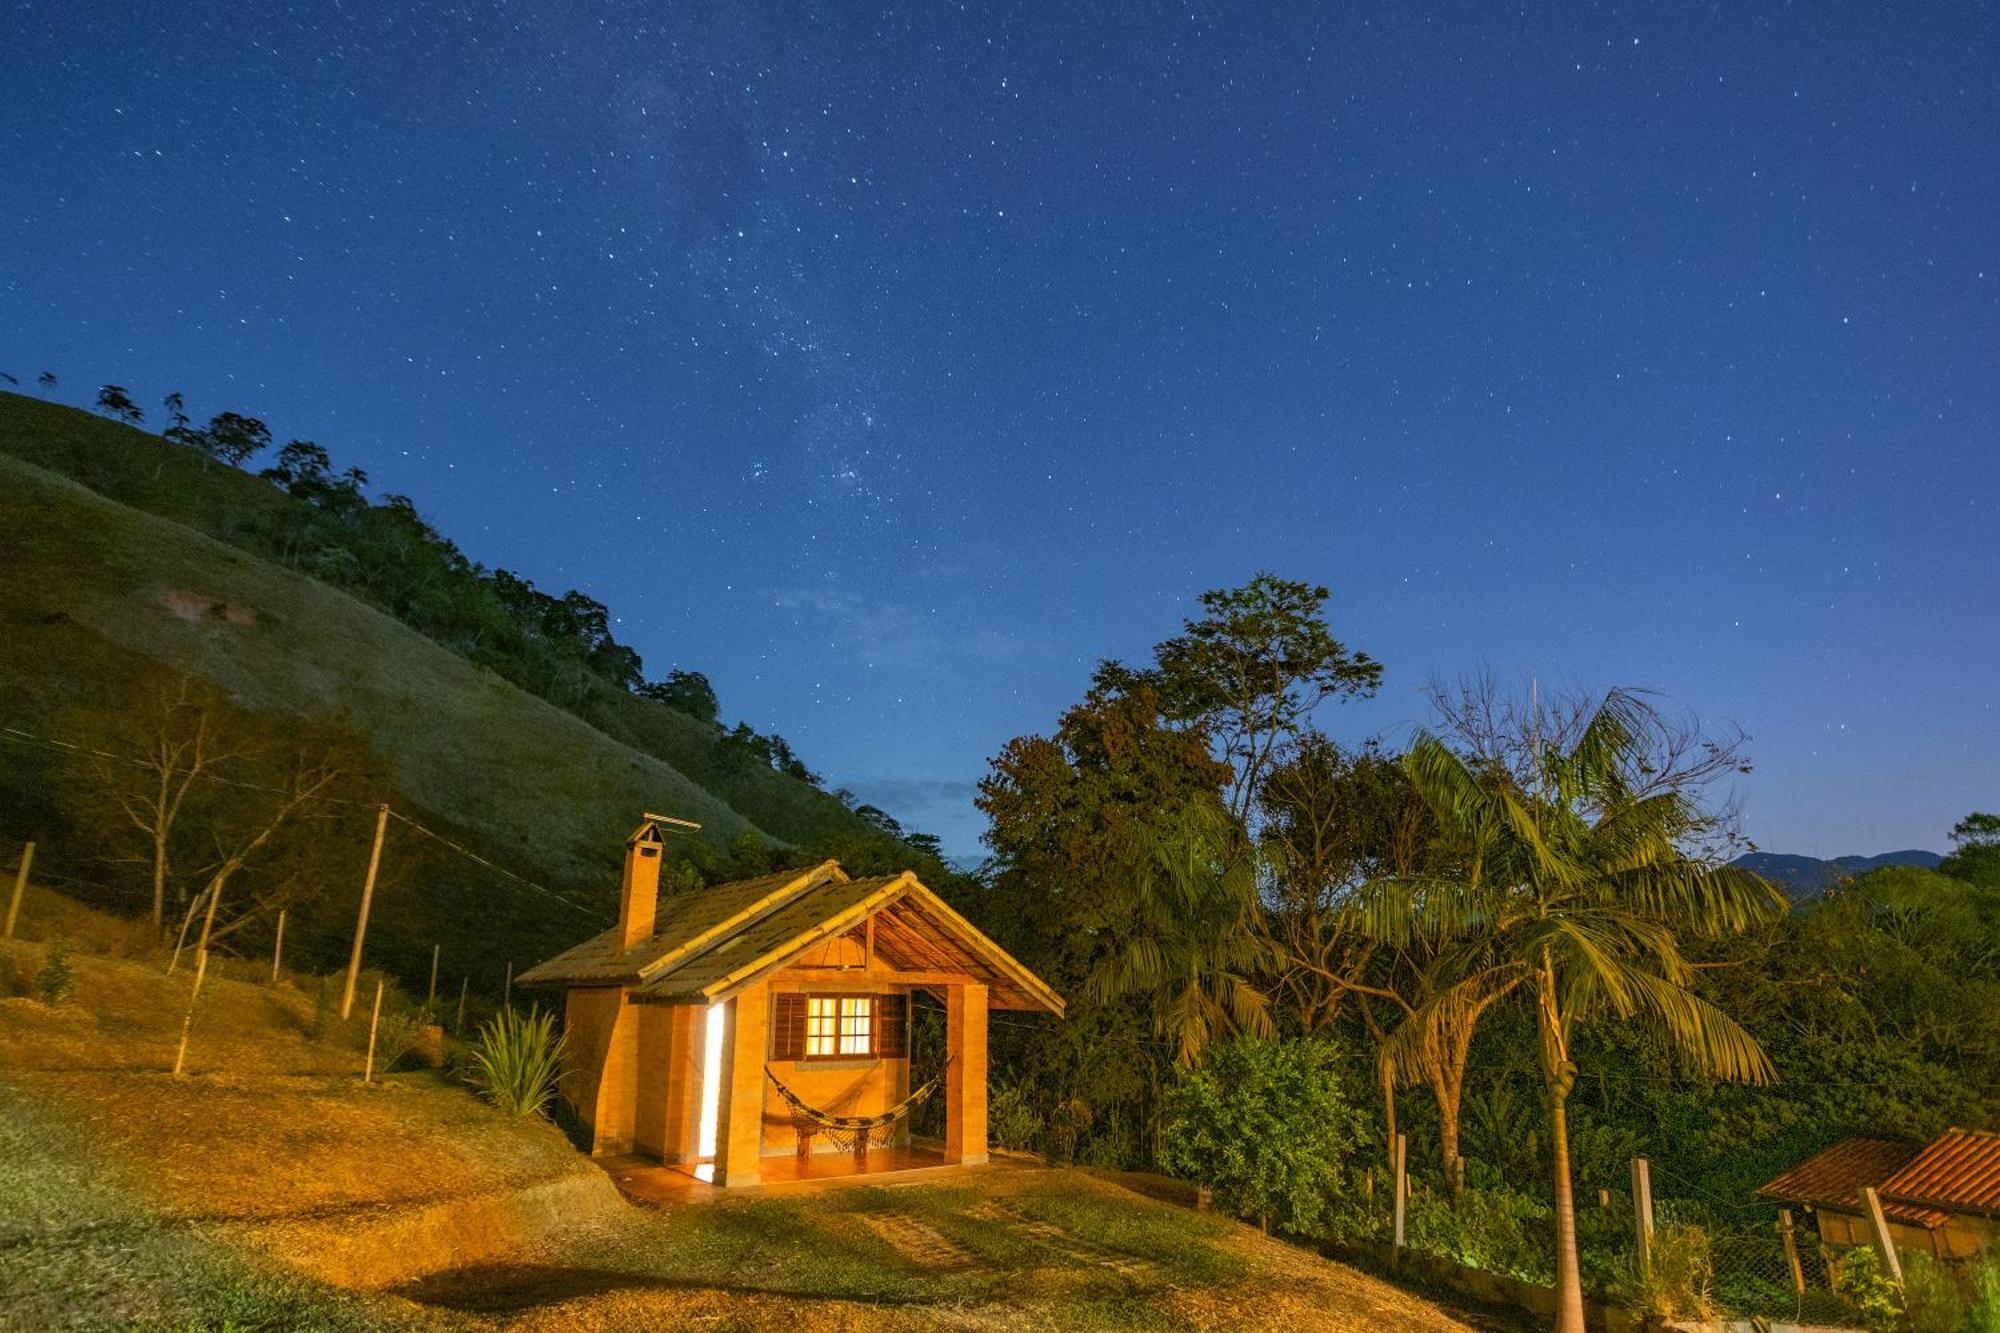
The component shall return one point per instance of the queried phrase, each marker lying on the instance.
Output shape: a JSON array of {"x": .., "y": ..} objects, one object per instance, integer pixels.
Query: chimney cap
[{"x": 650, "y": 829}]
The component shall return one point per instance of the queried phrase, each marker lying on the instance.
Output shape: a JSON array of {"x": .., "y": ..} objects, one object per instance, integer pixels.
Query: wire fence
[{"x": 1708, "y": 1256}]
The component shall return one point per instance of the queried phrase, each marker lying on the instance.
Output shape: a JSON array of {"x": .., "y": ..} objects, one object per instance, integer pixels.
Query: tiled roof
[
  {"x": 682, "y": 921},
  {"x": 1960, "y": 1170},
  {"x": 1833, "y": 1179},
  {"x": 710, "y": 944}
]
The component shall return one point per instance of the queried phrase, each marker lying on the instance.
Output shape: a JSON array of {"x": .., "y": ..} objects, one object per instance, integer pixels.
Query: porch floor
[{"x": 644, "y": 1180}]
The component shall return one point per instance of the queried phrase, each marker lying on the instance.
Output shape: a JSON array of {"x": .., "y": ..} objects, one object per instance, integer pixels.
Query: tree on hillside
[
  {"x": 1576, "y": 889},
  {"x": 1975, "y": 856},
  {"x": 113, "y": 401},
  {"x": 235, "y": 439},
  {"x": 10, "y": 379},
  {"x": 145, "y": 765},
  {"x": 176, "y": 409},
  {"x": 1251, "y": 671},
  {"x": 686, "y": 692},
  {"x": 290, "y": 781},
  {"x": 47, "y": 381}
]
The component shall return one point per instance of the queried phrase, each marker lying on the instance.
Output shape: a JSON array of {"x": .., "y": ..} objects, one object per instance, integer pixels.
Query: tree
[
  {"x": 113, "y": 401},
  {"x": 686, "y": 692},
  {"x": 1251, "y": 671},
  {"x": 10, "y": 379},
  {"x": 157, "y": 755},
  {"x": 1575, "y": 889},
  {"x": 47, "y": 381},
  {"x": 1975, "y": 856},
  {"x": 235, "y": 439},
  {"x": 176, "y": 413}
]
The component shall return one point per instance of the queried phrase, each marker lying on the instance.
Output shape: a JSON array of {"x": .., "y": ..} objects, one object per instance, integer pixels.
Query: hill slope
[{"x": 96, "y": 592}]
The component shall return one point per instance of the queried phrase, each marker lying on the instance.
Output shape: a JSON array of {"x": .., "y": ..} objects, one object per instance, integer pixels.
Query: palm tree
[
  {"x": 1186, "y": 940},
  {"x": 1575, "y": 894}
]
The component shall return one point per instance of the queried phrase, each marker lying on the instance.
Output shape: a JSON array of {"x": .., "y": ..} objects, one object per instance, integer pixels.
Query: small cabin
[
  {"x": 1940, "y": 1198},
  {"x": 769, "y": 1021}
]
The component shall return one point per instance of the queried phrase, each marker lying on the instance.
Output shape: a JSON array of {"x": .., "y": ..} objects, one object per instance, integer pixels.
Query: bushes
[
  {"x": 1265, "y": 1125},
  {"x": 1494, "y": 1230},
  {"x": 517, "y": 1060},
  {"x": 1010, "y": 1121}
]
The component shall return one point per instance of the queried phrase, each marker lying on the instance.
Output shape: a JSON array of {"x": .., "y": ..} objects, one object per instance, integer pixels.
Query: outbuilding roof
[
  {"x": 1959, "y": 1170},
  {"x": 708, "y": 945},
  {"x": 1835, "y": 1177}
]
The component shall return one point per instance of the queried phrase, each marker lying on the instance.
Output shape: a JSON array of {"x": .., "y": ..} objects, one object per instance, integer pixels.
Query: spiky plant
[
  {"x": 517, "y": 1060},
  {"x": 1575, "y": 895}
]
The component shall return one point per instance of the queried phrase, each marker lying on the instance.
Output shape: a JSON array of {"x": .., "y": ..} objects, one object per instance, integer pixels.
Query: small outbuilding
[
  {"x": 1942, "y": 1198},
  {"x": 770, "y": 1019}
]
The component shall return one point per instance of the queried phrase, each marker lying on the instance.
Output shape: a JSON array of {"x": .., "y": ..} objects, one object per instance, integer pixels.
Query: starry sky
[{"x": 893, "y": 366}]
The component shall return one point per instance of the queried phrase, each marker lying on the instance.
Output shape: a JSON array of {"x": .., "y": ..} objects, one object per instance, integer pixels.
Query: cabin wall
[
  {"x": 600, "y": 1064},
  {"x": 843, "y": 1087},
  {"x": 1960, "y": 1238}
]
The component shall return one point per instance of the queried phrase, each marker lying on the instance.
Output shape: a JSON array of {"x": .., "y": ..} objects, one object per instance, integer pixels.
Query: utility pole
[{"x": 361, "y": 925}]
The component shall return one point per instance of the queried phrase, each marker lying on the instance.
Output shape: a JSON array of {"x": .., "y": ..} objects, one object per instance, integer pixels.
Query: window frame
[{"x": 833, "y": 1026}]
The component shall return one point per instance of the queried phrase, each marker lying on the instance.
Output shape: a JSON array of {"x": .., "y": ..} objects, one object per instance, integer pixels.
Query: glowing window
[{"x": 839, "y": 1025}]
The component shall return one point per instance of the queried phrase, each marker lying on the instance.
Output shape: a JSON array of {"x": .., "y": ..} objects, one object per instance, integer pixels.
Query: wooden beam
[
  {"x": 1878, "y": 1225},
  {"x": 888, "y": 976}
]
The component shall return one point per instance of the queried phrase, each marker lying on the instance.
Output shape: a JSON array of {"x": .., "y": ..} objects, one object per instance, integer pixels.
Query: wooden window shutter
[
  {"x": 788, "y": 1032},
  {"x": 892, "y": 1027}
]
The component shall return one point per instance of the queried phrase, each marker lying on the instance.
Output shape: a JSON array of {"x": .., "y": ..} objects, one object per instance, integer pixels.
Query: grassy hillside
[
  {"x": 116, "y": 560},
  {"x": 235, "y": 1197},
  {"x": 237, "y": 509}
]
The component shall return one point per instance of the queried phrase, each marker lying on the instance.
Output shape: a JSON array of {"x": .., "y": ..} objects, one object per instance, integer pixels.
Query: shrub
[
  {"x": 1982, "y": 1314},
  {"x": 517, "y": 1060},
  {"x": 1859, "y": 1278},
  {"x": 1683, "y": 1275},
  {"x": 1010, "y": 1121},
  {"x": 1493, "y": 1230},
  {"x": 1931, "y": 1302},
  {"x": 56, "y": 980},
  {"x": 1265, "y": 1125}
]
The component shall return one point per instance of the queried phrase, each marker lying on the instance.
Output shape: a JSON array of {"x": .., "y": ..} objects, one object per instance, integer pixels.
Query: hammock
[{"x": 849, "y": 1132}]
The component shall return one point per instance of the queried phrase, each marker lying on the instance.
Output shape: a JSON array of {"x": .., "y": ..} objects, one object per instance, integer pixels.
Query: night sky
[{"x": 893, "y": 367}]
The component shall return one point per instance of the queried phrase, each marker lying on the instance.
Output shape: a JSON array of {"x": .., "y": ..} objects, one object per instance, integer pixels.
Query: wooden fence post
[
  {"x": 1402, "y": 1185},
  {"x": 458, "y": 1028},
  {"x": 187, "y": 1020},
  {"x": 507, "y": 995},
  {"x": 278, "y": 948},
  {"x": 430, "y": 1004},
  {"x": 20, "y": 887},
  {"x": 1885, "y": 1244},
  {"x": 361, "y": 922},
  {"x": 1788, "y": 1231},
  {"x": 374, "y": 1021},
  {"x": 1642, "y": 1215}
]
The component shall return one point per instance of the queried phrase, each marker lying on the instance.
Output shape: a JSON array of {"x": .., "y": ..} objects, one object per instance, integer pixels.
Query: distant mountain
[{"x": 1803, "y": 877}]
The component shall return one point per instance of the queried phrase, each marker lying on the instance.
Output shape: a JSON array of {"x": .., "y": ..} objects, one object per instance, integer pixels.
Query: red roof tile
[
  {"x": 1960, "y": 1171},
  {"x": 1833, "y": 1179}
]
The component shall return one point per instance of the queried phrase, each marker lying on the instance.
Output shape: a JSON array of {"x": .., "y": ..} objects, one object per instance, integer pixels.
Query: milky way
[{"x": 893, "y": 367}]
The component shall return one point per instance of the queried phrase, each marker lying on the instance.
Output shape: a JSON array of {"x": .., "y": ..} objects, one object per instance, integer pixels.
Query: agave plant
[{"x": 517, "y": 1060}]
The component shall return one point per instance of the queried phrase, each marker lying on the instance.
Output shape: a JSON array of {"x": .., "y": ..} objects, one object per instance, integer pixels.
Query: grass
[{"x": 132, "y": 1199}]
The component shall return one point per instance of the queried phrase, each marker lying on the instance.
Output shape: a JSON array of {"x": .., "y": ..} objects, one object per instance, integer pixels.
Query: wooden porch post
[
  {"x": 965, "y": 1076},
  {"x": 739, "y": 1136}
]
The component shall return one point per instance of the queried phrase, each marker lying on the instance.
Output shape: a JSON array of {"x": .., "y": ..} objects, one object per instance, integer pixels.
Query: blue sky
[{"x": 893, "y": 367}]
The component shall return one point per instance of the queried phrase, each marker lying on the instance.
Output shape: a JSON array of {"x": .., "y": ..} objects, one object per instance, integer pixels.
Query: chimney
[{"x": 639, "y": 894}]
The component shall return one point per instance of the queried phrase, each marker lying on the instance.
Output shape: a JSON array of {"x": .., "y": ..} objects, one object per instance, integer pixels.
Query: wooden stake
[
  {"x": 458, "y": 1028},
  {"x": 1786, "y": 1229},
  {"x": 20, "y": 888},
  {"x": 374, "y": 1022},
  {"x": 1604, "y": 1200},
  {"x": 1885, "y": 1244},
  {"x": 1402, "y": 1185},
  {"x": 278, "y": 947},
  {"x": 361, "y": 923},
  {"x": 507, "y": 995},
  {"x": 1642, "y": 1215},
  {"x": 187, "y": 1020},
  {"x": 431, "y": 1003}
]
